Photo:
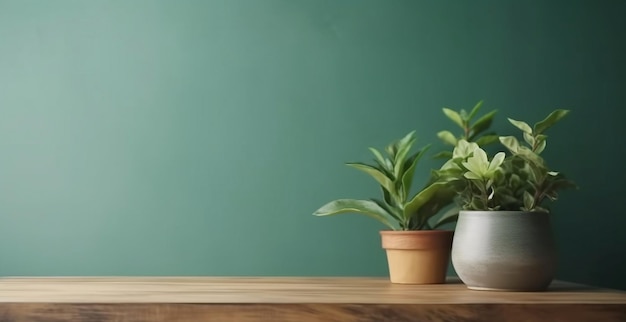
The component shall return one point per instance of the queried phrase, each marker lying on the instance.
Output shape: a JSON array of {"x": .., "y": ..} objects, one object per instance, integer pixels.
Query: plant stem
[
  {"x": 466, "y": 131},
  {"x": 483, "y": 191}
]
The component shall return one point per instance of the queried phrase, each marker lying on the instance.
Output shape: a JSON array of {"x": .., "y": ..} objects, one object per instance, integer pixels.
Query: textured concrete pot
[
  {"x": 417, "y": 257},
  {"x": 504, "y": 250}
]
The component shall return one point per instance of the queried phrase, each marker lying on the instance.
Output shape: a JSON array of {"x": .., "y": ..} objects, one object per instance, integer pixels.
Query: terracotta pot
[
  {"x": 504, "y": 250},
  {"x": 417, "y": 257}
]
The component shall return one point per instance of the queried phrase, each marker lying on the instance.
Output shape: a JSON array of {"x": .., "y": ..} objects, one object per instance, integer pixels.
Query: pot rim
[{"x": 416, "y": 239}]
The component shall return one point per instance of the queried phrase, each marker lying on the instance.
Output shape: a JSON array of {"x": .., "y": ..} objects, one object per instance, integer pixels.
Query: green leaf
[
  {"x": 529, "y": 138},
  {"x": 388, "y": 164},
  {"x": 442, "y": 198},
  {"x": 393, "y": 212},
  {"x": 422, "y": 198},
  {"x": 550, "y": 120},
  {"x": 521, "y": 125},
  {"x": 418, "y": 155},
  {"x": 529, "y": 200},
  {"x": 403, "y": 146},
  {"x": 407, "y": 177},
  {"x": 406, "y": 140},
  {"x": 364, "y": 207},
  {"x": 487, "y": 139},
  {"x": 454, "y": 116},
  {"x": 464, "y": 149},
  {"x": 515, "y": 180},
  {"x": 496, "y": 162},
  {"x": 402, "y": 152},
  {"x": 478, "y": 163},
  {"x": 475, "y": 110},
  {"x": 472, "y": 176},
  {"x": 451, "y": 215},
  {"x": 379, "y": 176},
  {"x": 387, "y": 196},
  {"x": 384, "y": 169},
  {"x": 511, "y": 143},
  {"x": 540, "y": 147},
  {"x": 449, "y": 172},
  {"x": 443, "y": 155},
  {"x": 482, "y": 124},
  {"x": 447, "y": 137},
  {"x": 476, "y": 204},
  {"x": 529, "y": 170},
  {"x": 528, "y": 155},
  {"x": 391, "y": 150},
  {"x": 379, "y": 158}
]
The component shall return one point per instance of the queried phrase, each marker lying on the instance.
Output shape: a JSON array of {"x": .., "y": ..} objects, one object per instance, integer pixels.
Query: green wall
[{"x": 197, "y": 137}]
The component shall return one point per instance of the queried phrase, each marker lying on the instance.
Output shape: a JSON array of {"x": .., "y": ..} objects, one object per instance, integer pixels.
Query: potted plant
[
  {"x": 503, "y": 238},
  {"x": 417, "y": 252}
]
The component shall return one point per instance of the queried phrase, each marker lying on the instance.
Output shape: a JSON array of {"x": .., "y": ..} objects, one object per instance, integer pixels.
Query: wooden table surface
[{"x": 292, "y": 299}]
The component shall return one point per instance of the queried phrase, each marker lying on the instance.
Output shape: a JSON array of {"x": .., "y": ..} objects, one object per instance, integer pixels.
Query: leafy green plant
[
  {"x": 471, "y": 131},
  {"x": 520, "y": 181},
  {"x": 398, "y": 209}
]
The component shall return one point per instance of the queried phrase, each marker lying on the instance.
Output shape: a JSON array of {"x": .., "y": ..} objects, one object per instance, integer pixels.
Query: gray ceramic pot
[{"x": 504, "y": 250}]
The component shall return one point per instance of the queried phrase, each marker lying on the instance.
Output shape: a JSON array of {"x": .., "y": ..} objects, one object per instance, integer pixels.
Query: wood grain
[{"x": 292, "y": 299}]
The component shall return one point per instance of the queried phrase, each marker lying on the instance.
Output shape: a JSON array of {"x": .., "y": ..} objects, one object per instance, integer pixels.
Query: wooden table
[{"x": 154, "y": 299}]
